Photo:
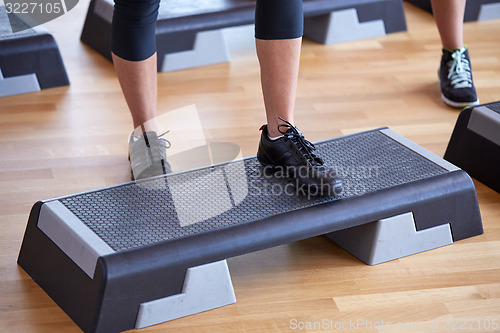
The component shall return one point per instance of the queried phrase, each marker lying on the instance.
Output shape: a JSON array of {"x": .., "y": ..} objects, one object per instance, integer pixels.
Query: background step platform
[
  {"x": 475, "y": 10},
  {"x": 191, "y": 33},
  {"x": 475, "y": 143},
  {"x": 141, "y": 253},
  {"x": 29, "y": 59}
]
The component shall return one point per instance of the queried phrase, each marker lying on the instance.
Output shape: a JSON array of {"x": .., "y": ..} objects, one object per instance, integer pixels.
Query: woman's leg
[
  {"x": 278, "y": 32},
  {"x": 455, "y": 72},
  {"x": 134, "y": 55},
  {"x": 138, "y": 80},
  {"x": 279, "y": 65},
  {"x": 133, "y": 43},
  {"x": 449, "y": 16}
]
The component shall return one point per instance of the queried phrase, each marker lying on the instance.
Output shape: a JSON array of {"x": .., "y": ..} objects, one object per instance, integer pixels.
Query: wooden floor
[{"x": 65, "y": 140}]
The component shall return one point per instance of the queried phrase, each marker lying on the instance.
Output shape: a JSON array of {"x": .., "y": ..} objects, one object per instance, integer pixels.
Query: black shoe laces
[{"x": 305, "y": 147}]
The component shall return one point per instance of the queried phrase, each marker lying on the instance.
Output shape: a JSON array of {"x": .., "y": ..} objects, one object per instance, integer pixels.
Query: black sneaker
[
  {"x": 148, "y": 156},
  {"x": 455, "y": 78},
  {"x": 292, "y": 156}
]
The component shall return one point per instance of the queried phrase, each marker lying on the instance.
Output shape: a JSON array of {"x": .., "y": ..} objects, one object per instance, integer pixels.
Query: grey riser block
[
  {"x": 114, "y": 259},
  {"x": 29, "y": 60},
  {"x": 475, "y": 10},
  {"x": 185, "y": 40},
  {"x": 205, "y": 287},
  {"x": 390, "y": 239},
  {"x": 475, "y": 143},
  {"x": 18, "y": 84}
]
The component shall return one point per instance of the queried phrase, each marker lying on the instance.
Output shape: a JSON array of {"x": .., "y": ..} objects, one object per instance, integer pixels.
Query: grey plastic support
[
  {"x": 73, "y": 237},
  {"x": 489, "y": 11},
  {"x": 342, "y": 26},
  {"x": 206, "y": 287},
  {"x": 209, "y": 48},
  {"x": 20, "y": 84},
  {"x": 486, "y": 123},
  {"x": 420, "y": 150},
  {"x": 390, "y": 239}
]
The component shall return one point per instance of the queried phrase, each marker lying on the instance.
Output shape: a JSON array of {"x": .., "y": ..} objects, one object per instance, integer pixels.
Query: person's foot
[
  {"x": 147, "y": 155},
  {"x": 455, "y": 78},
  {"x": 292, "y": 156}
]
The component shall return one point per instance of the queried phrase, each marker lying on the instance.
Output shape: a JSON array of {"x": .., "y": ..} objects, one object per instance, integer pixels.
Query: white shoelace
[{"x": 459, "y": 71}]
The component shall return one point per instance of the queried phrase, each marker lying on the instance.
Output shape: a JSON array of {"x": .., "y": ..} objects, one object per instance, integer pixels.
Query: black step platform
[
  {"x": 141, "y": 253},
  {"x": 29, "y": 59},
  {"x": 190, "y": 33},
  {"x": 475, "y": 143},
  {"x": 475, "y": 10}
]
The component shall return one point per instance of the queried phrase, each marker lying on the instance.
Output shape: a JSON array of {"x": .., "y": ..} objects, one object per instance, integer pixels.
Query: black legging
[{"x": 134, "y": 21}]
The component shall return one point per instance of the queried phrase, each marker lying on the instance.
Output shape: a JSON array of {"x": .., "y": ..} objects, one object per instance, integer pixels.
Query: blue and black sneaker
[{"x": 455, "y": 78}]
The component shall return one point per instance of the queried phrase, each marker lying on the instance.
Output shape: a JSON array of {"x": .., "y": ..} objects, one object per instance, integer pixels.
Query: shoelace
[
  {"x": 459, "y": 71},
  {"x": 163, "y": 143},
  {"x": 304, "y": 146},
  {"x": 156, "y": 152}
]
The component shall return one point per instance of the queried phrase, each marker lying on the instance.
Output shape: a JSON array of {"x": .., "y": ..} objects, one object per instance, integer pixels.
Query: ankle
[
  {"x": 273, "y": 132},
  {"x": 273, "y": 127},
  {"x": 150, "y": 125}
]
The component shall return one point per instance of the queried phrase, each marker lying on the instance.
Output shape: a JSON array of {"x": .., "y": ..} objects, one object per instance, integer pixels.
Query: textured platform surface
[{"x": 136, "y": 215}]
